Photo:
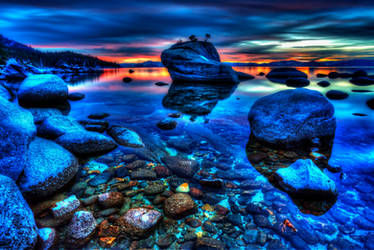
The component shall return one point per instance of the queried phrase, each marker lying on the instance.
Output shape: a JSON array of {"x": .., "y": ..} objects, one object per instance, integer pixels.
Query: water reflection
[{"x": 196, "y": 99}]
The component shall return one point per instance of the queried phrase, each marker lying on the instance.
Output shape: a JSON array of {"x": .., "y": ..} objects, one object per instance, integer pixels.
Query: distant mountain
[
  {"x": 147, "y": 64},
  {"x": 28, "y": 55}
]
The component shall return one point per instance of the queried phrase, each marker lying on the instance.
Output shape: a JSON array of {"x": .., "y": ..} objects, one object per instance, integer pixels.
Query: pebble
[
  {"x": 81, "y": 228},
  {"x": 179, "y": 205},
  {"x": 111, "y": 199},
  {"x": 66, "y": 208}
]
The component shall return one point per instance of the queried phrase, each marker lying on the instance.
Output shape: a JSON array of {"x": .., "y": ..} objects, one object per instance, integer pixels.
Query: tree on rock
[
  {"x": 192, "y": 38},
  {"x": 207, "y": 37},
  {"x": 3, "y": 56}
]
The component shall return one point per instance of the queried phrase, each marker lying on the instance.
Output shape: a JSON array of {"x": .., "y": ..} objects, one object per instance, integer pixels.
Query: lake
[{"x": 214, "y": 126}]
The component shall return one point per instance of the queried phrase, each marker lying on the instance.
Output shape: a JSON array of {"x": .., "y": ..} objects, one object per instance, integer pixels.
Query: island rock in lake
[
  {"x": 289, "y": 117},
  {"x": 17, "y": 130},
  {"x": 197, "y": 61},
  {"x": 281, "y": 75}
]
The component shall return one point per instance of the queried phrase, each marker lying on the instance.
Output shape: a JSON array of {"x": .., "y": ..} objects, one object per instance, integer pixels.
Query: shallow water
[{"x": 217, "y": 118}]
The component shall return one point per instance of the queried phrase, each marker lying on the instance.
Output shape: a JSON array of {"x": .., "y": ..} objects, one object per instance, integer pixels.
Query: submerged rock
[
  {"x": 161, "y": 84},
  {"x": 86, "y": 143},
  {"x": 181, "y": 167},
  {"x": 111, "y": 199},
  {"x": 197, "y": 61},
  {"x": 127, "y": 79},
  {"x": 179, "y": 205},
  {"x": 336, "y": 95},
  {"x": 42, "y": 90},
  {"x": 17, "y": 130},
  {"x": 281, "y": 75},
  {"x": 304, "y": 178},
  {"x": 167, "y": 124},
  {"x": 55, "y": 126},
  {"x": 323, "y": 83},
  {"x": 47, "y": 238},
  {"x": 49, "y": 168},
  {"x": 297, "y": 82},
  {"x": 289, "y": 117},
  {"x": 139, "y": 222},
  {"x": 65, "y": 209},
  {"x": 98, "y": 116},
  {"x": 81, "y": 228},
  {"x": 18, "y": 229},
  {"x": 126, "y": 137}
]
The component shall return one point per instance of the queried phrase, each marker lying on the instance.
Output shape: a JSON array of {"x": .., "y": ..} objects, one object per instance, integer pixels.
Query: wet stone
[
  {"x": 107, "y": 212},
  {"x": 209, "y": 227},
  {"x": 181, "y": 167},
  {"x": 143, "y": 174},
  {"x": 65, "y": 208},
  {"x": 167, "y": 124},
  {"x": 193, "y": 222},
  {"x": 81, "y": 228},
  {"x": 179, "y": 205},
  {"x": 111, "y": 199},
  {"x": 209, "y": 243},
  {"x": 47, "y": 238},
  {"x": 154, "y": 189},
  {"x": 164, "y": 241},
  {"x": 100, "y": 179},
  {"x": 162, "y": 171},
  {"x": 98, "y": 116},
  {"x": 136, "y": 164}
]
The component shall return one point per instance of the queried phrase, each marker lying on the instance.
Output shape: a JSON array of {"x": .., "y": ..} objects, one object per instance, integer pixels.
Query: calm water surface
[{"x": 218, "y": 115}]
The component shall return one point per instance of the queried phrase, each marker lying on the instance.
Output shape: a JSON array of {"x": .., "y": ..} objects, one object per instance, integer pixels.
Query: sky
[{"x": 242, "y": 30}]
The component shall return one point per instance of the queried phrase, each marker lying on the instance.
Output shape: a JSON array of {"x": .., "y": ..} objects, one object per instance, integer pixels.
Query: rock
[
  {"x": 111, "y": 199},
  {"x": 162, "y": 171},
  {"x": 47, "y": 238},
  {"x": 76, "y": 96},
  {"x": 297, "y": 82},
  {"x": 359, "y": 73},
  {"x": 98, "y": 116},
  {"x": 102, "y": 178},
  {"x": 214, "y": 183},
  {"x": 126, "y": 137},
  {"x": 244, "y": 76},
  {"x": 209, "y": 243},
  {"x": 127, "y": 79},
  {"x": 65, "y": 209},
  {"x": 42, "y": 90},
  {"x": 250, "y": 236},
  {"x": 161, "y": 84},
  {"x": 86, "y": 143},
  {"x": 167, "y": 124},
  {"x": 49, "y": 168},
  {"x": 196, "y": 61},
  {"x": 40, "y": 114},
  {"x": 320, "y": 75},
  {"x": 164, "y": 241},
  {"x": 289, "y": 117},
  {"x": 154, "y": 189},
  {"x": 18, "y": 229},
  {"x": 81, "y": 228},
  {"x": 14, "y": 71},
  {"x": 181, "y": 167},
  {"x": 370, "y": 103},
  {"x": 333, "y": 75},
  {"x": 17, "y": 130},
  {"x": 6, "y": 93},
  {"x": 336, "y": 95},
  {"x": 94, "y": 125},
  {"x": 179, "y": 205},
  {"x": 281, "y": 75},
  {"x": 304, "y": 178},
  {"x": 55, "y": 126},
  {"x": 139, "y": 222},
  {"x": 143, "y": 174},
  {"x": 105, "y": 229},
  {"x": 323, "y": 84},
  {"x": 363, "y": 80}
]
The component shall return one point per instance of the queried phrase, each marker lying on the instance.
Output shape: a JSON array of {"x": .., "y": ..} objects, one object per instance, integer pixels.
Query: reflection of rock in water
[
  {"x": 196, "y": 99},
  {"x": 76, "y": 78},
  {"x": 268, "y": 160}
]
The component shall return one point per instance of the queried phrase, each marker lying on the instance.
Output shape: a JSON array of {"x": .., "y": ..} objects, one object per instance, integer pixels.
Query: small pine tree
[
  {"x": 192, "y": 38},
  {"x": 3, "y": 56},
  {"x": 207, "y": 37}
]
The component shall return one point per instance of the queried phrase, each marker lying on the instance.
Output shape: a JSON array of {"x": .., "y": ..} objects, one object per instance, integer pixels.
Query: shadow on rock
[{"x": 196, "y": 99}]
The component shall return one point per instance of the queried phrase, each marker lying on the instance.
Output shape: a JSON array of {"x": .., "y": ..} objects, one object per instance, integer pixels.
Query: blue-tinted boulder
[
  {"x": 17, "y": 130},
  {"x": 57, "y": 125},
  {"x": 304, "y": 178},
  {"x": 42, "y": 90},
  {"x": 281, "y": 75},
  {"x": 86, "y": 143},
  {"x": 18, "y": 229},
  {"x": 49, "y": 168},
  {"x": 6, "y": 93},
  {"x": 197, "y": 61},
  {"x": 126, "y": 137},
  {"x": 14, "y": 71},
  {"x": 40, "y": 114},
  {"x": 289, "y": 117}
]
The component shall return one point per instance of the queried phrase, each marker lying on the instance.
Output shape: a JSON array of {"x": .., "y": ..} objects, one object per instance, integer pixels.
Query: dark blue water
[{"x": 217, "y": 119}]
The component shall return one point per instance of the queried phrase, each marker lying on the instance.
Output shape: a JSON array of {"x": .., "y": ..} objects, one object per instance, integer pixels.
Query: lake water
[{"x": 215, "y": 121}]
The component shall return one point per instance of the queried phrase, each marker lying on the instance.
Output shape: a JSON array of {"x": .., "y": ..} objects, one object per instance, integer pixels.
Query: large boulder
[
  {"x": 304, "y": 178},
  {"x": 17, "y": 130},
  {"x": 57, "y": 125},
  {"x": 14, "y": 71},
  {"x": 281, "y": 75},
  {"x": 49, "y": 167},
  {"x": 18, "y": 229},
  {"x": 42, "y": 90},
  {"x": 289, "y": 117},
  {"x": 363, "y": 80},
  {"x": 86, "y": 142},
  {"x": 81, "y": 229},
  {"x": 6, "y": 93},
  {"x": 197, "y": 61}
]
